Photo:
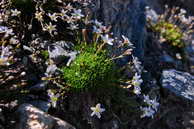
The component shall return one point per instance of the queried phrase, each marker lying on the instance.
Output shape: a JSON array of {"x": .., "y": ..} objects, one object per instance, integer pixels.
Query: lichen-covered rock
[
  {"x": 180, "y": 83},
  {"x": 126, "y": 17},
  {"x": 32, "y": 118}
]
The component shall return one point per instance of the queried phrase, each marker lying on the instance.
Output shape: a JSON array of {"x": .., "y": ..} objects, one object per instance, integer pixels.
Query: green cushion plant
[
  {"x": 170, "y": 32},
  {"x": 89, "y": 70}
]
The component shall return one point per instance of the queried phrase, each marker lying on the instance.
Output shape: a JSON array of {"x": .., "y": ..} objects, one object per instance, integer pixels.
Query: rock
[
  {"x": 189, "y": 50},
  {"x": 2, "y": 119},
  {"x": 167, "y": 58},
  {"x": 158, "y": 5},
  {"x": 41, "y": 86},
  {"x": 179, "y": 83},
  {"x": 62, "y": 124},
  {"x": 61, "y": 51},
  {"x": 126, "y": 17},
  {"x": 113, "y": 124},
  {"x": 40, "y": 104},
  {"x": 33, "y": 118}
]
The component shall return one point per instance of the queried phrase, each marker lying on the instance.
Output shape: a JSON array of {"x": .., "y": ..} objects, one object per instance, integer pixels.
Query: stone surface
[
  {"x": 158, "y": 5},
  {"x": 41, "y": 86},
  {"x": 126, "y": 17},
  {"x": 31, "y": 117},
  {"x": 180, "y": 83},
  {"x": 40, "y": 104},
  {"x": 2, "y": 119}
]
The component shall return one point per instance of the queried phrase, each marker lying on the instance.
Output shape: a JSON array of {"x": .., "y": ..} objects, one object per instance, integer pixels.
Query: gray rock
[
  {"x": 189, "y": 50},
  {"x": 2, "y": 118},
  {"x": 41, "y": 86},
  {"x": 62, "y": 124},
  {"x": 31, "y": 117},
  {"x": 61, "y": 51},
  {"x": 40, "y": 104},
  {"x": 167, "y": 58},
  {"x": 126, "y": 17},
  {"x": 180, "y": 83},
  {"x": 113, "y": 124}
]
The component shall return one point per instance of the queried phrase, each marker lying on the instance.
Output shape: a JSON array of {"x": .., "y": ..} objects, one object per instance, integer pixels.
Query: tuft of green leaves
[
  {"x": 170, "y": 32},
  {"x": 89, "y": 70}
]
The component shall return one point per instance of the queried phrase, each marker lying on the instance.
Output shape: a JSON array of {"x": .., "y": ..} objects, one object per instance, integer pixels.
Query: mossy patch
[{"x": 89, "y": 70}]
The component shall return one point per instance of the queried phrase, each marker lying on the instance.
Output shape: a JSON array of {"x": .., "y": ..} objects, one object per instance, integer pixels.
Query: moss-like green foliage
[
  {"x": 89, "y": 70},
  {"x": 170, "y": 32},
  {"x": 45, "y": 54}
]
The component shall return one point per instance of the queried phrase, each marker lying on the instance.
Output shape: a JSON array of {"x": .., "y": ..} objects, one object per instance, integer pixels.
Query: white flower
[
  {"x": 73, "y": 27},
  {"x": 136, "y": 81},
  {"x": 97, "y": 30},
  {"x": 126, "y": 41},
  {"x": 147, "y": 112},
  {"x": 6, "y": 30},
  {"x": 151, "y": 102},
  {"x": 69, "y": 7},
  {"x": 50, "y": 28},
  {"x": 38, "y": 16},
  {"x": 146, "y": 98},
  {"x": 97, "y": 110},
  {"x": 70, "y": 20},
  {"x": 137, "y": 64},
  {"x": 97, "y": 23},
  {"x": 154, "y": 104},
  {"x": 63, "y": 13},
  {"x": 4, "y": 58},
  {"x": 107, "y": 40},
  {"x": 77, "y": 14},
  {"x": 53, "y": 16},
  {"x": 183, "y": 11},
  {"x": 53, "y": 98},
  {"x": 137, "y": 90},
  {"x": 15, "y": 12}
]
